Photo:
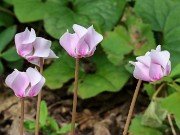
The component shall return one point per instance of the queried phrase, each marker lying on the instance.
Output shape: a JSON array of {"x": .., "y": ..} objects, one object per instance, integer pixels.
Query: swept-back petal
[
  {"x": 69, "y": 41},
  {"x": 93, "y": 38},
  {"x": 167, "y": 70},
  {"x": 41, "y": 47},
  {"x": 146, "y": 60},
  {"x": 52, "y": 55},
  {"x": 158, "y": 48},
  {"x": 33, "y": 75},
  {"x": 10, "y": 78},
  {"x": 20, "y": 84},
  {"x": 161, "y": 58},
  {"x": 79, "y": 30},
  {"x": 28, "y": 36}
]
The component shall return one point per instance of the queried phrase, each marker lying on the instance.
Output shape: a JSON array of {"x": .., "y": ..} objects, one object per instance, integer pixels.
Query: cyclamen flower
[
  {"x": 82, "y": 43},
  {"x": 25, "y": 84},
  {"x": 33, "y": 48},
  {"x": 153, "y": 65}
]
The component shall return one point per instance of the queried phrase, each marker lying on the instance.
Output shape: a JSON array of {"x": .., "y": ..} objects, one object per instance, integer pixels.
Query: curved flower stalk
[
  {"x": 80, "y": 44},
  {"x": 33, "y": 48},
  {"x": 25, "y": 84},
  {"x": 151, "y": 67}
]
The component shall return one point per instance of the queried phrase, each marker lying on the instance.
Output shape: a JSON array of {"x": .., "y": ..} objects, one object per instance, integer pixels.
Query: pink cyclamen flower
[
  {"x": 153, "y": 65},
  {"x": 33, "y": 48},
  {"x": 82, "y": 43},
  {"x": 25, "y": 84}
]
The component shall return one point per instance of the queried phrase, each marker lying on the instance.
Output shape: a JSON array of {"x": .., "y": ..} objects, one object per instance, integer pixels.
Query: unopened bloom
[
  {"x": 25, "y": 84},
  {"x": 153, "y": 65},
  {"x": 33, "y": 48},
  {"x": 82, "y": 43}
]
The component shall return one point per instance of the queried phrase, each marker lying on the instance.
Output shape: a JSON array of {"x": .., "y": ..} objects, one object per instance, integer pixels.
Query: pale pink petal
[
  {"x": 167, "y": 70},
  {"x": 69, "y": 41},
  {"x": 34, "y": 60},
  {"x": 158, "y": 48},
  {"x": 28, "y": 36},
  {"x": 52, "y": 55},
  {"x": 34, "y": 90},
  {"x": 92, "y": 38},
  {"x": 41, "y": 47},
  {"x": 33, "y": 75},
  {"x": 22, "y": 49},
  {"x": 10, "y": 78},
  {"x": 19, "y": 83},
  {"x": 90, "y": 53},
  {"x": 141, "y": 72},
  {"x": 82, "y": 48},
  {"x": 79, "y": 30},
  {"x": 146, "y": 60},
  {"x": 161, "y": 58},
  {"x": 155, "y": 71}
]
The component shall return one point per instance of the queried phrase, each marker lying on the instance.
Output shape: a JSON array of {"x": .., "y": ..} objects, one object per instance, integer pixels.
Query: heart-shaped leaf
[
  {"x": 136, "y": 128},
  {"x": 60, "y": 15},
  {"x": 154, "y": 115},
  {"x": 6, "y": 36},
  {"x": 117, "y": 44},
  {"x": 10, "y": 55},
  {"x": 170, "y": 103},
  {"x": 160, "y": 14},
  {"x": 107, "y": 77},
  {"x": 59, "y": 72}
]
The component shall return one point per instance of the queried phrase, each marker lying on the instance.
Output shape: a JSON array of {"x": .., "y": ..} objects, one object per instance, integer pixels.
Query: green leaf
[
  {"x": 30, "y": 10},
  {"x": 6, "y": 19},
  {"x": 59, "y": 72},
  {"x": 16, "y": 64},
  {"x": 154, "y": 115},
  {"x": 1, "y": 68},
  {"x": 137, "y": 129},
  {"x": 105, "y": 14},
  {"x": 59, "y": 16},
  {"x": 154, "y": 12},
  {"x": 175, "y": 85},
  {"x": 64, "y": 129},
  {"x": 150, "y": 89},
  {"x": 53, "y": 124},
  {"x": 117, "y": 44},
  {"x": 106, "y": 78},
  {"x": 171, "y": 104},
  {"x": 175, "y": 71},
  {"x": 10, "y": 55},
  {"x": 9, "y": 1},
  {"x": 43, "y": 113},
  {"x": 138, "y": 37},
  {"x": 6, "y": 36},
  {"x": 141, "y": 34},
  {"x": 160, "y": 14},
  {"x": 29, "y": 125},
  {"x": 171, "y": 30},
  {"x": 61, "y": 19}
]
